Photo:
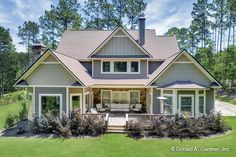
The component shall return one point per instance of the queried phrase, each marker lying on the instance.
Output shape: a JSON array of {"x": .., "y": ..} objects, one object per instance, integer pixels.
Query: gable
[
  {"x": 120, "y": 44},
  {"x": 183, "y": 67},
  {"x": 48, "y": 70},
  {"x": 50, "y": 74}
]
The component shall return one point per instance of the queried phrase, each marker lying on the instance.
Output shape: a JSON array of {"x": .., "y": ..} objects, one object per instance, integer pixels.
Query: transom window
[{"x": 123, "y": 67}]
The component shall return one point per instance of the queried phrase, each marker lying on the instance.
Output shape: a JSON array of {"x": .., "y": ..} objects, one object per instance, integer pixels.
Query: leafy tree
[
  {"x": 120, "y": 8},
  {"x": 133, "y": 10},
  {"x": 108, "y": 13},
  {"x": 206, "y": 58},
  {"x": 93, "y": 10},
  {"x": 49, "y": 29},
  {"x": 200, "y": 18},
  {"x": 28, "y": 33}
]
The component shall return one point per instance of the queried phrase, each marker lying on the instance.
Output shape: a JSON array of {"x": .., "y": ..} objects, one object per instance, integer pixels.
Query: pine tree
[{"x": 120, "y": 8}]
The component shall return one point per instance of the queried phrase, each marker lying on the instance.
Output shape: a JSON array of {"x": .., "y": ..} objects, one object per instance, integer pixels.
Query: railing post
[
  {"x": 106, "y": 120},
  {"x": 127, "y": 121}
]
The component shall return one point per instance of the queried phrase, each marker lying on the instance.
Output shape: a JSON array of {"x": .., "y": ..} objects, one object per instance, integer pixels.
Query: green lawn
[
  {"x": 12, "y": 108},
  {"x": 226, "y": 99},
  {"x": 112, "y": 145}
]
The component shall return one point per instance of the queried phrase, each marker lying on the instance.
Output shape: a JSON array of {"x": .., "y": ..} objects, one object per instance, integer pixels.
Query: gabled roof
[
  {"x": 169, "y": 61},
  {"x": 112, "y": 35},
  {"x": 80, "y": 44}
]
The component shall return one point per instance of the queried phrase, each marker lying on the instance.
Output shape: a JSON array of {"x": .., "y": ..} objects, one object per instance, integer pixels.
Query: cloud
[
  {"x": 164, "y": 14},
  {"x": 4, "y": 18}
]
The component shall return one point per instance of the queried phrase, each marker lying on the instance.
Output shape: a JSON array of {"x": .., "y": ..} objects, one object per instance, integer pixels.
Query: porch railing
[{"x": 105, "y": 116}]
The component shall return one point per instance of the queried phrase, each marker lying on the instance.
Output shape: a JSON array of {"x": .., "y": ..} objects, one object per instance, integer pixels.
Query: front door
[
  {"x": 186, "y": 104},
  {"x": 76, "y": 102}
]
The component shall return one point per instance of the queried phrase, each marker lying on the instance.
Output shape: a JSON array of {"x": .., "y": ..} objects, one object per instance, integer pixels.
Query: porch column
[
  {"x": 67, "y": 101},
  {"x": 196, "y": 102},
  {"x": 175, "y": 102},
  {"x": 204, "y": 106},
  {"x": 83, "y": 101},
  {"x": 151, "y": 101},
  {"x": 161, "y": 103},
  {"x": 33, "y": 101}
]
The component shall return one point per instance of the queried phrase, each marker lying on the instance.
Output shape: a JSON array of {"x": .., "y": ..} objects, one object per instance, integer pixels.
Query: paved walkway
[{"x": 225, "y": 108}]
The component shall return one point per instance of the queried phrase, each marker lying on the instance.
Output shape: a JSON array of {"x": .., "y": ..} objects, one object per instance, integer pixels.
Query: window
[
  {"x": 201, "y": 104},
  {"x": 120, "y": 66},
  {"x": 75, "y": 100},
  {"x": 106, "y": 67},
  {"x": 124, "y": 67},
  {"x": 134, "y": 97},
  {"x": 168, "y": 104},
  {"x": 186, "y": 104},
  {"x": 50, "y": 104},
  {"x": 86, "y": 102},
  {"x": 105, "y": 98},
  {"x": 119, "y": 97},
  {"x": 134, "y": 66}
]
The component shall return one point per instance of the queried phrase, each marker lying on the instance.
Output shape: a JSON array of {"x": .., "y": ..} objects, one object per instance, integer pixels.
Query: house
[{"x": 120, "y": 70}]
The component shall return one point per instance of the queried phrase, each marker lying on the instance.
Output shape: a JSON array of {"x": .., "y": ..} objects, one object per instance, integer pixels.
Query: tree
[
  {"x": 28, "y": 33},
  {"x": 200, "y": 13},
  {"x": 133, "y": 10},
  {"x": 206, "y": 58},
  {"x": 49, "y": 29},
  {"x": 93, "y": 10},
  {"x": 108, "y": 13},
  {"x": 7, "y": 61},
  {"x": 120, "y": 8},
  {"x": 67, "y": 16}
]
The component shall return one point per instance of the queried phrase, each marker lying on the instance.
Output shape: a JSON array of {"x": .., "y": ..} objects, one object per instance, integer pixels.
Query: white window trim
[
  {"x": 134, "y": 91},
  {"x": 128, "y": 67},
  {"x": 180, "y": 105},
  {"x": 80, "y": 103},
  {"x": 204, "y": 102},
  {"x": 169, "y": 95},
  {"x": 110, "y": 91},
  {"x": 40, "y": 103}
]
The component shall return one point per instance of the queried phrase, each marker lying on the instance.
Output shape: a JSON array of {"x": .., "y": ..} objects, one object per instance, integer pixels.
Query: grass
[
  {"x": 226, "y": 99},
  {"x": 116, "y": 145}
]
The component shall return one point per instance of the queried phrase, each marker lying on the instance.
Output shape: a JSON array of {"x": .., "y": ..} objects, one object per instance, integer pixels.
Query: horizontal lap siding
[
  {"x": 210, "y": 103},
  {"x": 50, "y": 74},
  {"x": 156, "y": 102},
  {"x": 49, "y": 90},
  {"x": 99, "y": 75},
  {"x": 182, "y": 72}
]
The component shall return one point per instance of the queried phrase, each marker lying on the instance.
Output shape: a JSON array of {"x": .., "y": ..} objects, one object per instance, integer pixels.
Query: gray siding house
[{"x": 120, "y": 70}]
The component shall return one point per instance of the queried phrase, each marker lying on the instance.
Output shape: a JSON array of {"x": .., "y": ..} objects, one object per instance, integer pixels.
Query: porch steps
[{"x": 116, "y": 129}]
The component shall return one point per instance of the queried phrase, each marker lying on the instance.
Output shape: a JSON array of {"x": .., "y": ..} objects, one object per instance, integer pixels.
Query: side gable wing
[
  {"x": 120, "y": 44},
  {"x": 184, "y": 68},
  {"x": 47, "y": 70}
]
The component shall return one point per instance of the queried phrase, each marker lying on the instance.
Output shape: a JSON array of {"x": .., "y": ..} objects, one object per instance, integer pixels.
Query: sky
[{"x": 160, "y": 14}]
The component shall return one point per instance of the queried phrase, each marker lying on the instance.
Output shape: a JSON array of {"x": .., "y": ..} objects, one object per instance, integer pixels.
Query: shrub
[
  {"x": 10, "y": 121},
  {"x": 135, "y": 129},
  {"x": 77, "y": 125},
  {"x": 181, "y": 127},
  {"x": 23, "y": 114}
]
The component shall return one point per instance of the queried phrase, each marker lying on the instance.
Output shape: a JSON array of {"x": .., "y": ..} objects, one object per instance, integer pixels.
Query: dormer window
[{"x": 120, "y": 67}]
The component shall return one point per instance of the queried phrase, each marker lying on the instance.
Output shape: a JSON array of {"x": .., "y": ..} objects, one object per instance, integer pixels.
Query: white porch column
[
  {"x": 161, "y": 103},
  {"x": 33, "y": 101},
  {"x": 196, "y": 102},
  {"x": 151, "y": 101},
  {"x": 175, "y": 101},
  {"x": 83, "y": 100},
  {"x": 67, "y": 101},
  {"x": 204, "y": 106}
]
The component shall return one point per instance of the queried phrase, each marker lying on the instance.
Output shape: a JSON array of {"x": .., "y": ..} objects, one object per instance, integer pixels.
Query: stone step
[{"x": 116, "y": 128}]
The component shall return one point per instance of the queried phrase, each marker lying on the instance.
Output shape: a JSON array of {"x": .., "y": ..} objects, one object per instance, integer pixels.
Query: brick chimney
[
  {"x": 141, "y": 25},
  {"x": 37, "y": 50}
]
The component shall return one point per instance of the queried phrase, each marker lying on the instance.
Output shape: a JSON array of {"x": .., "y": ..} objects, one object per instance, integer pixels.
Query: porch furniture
[
  {"x": 100, "y": 108},
  {"x": 119, "y": 107},
  {"x": 136, "y": 107},
  {"x": 93, "y": 110}
]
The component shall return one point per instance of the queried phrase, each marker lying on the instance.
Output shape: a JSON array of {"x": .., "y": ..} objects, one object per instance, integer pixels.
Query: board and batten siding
[
  {"x": 50, "y": 74},
  {"x": 49, "y": 90},
  {"x": 98, "y": 75},
  {"x": 182, "y": 72},
  {"x": 210, "y": 100},
  {"x": 120, "y": 46},
  {"x": 156, "y": 103}
]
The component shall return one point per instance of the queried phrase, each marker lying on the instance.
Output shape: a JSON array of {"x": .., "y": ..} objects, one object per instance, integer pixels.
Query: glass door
[
  {"x": 186, "y": 103},
  {"x": 75, "y": 102}
]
